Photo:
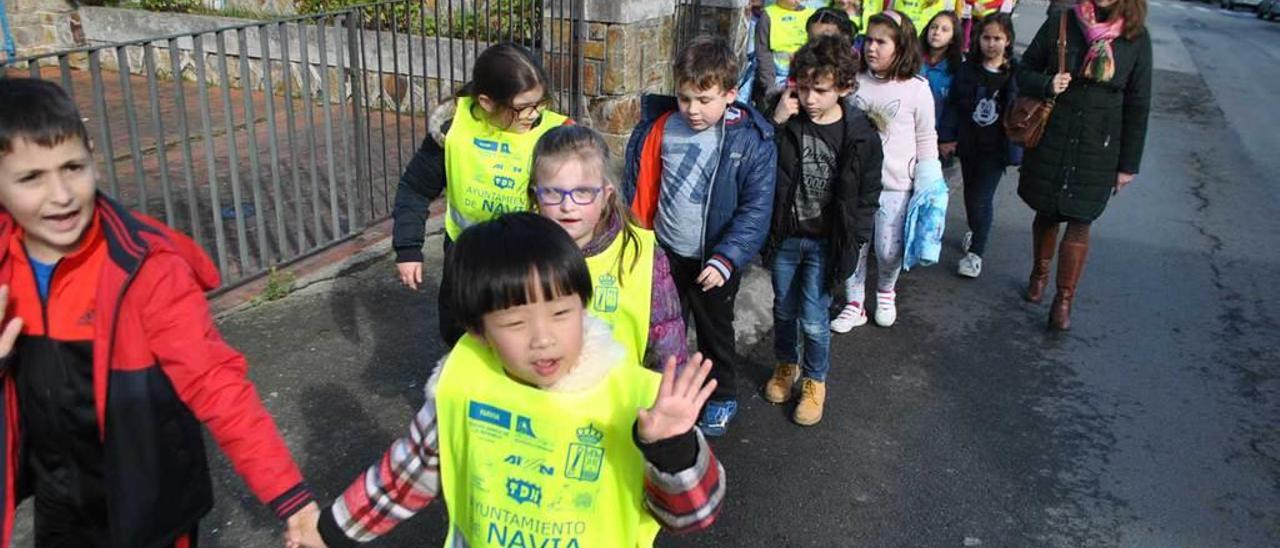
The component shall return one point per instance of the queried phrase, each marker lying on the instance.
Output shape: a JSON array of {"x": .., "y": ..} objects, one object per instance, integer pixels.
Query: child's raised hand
[
  {"x": 788, "y": 106},
  {"x": 12, "y": 328},
  {"x": 680, "y": 401}
]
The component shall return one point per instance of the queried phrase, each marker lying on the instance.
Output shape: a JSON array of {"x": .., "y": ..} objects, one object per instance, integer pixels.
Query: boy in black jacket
[{"x": 828, "y": 191}]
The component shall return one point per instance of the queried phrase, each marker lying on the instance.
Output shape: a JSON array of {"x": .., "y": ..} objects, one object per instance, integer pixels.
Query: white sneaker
[
  {"x": 970, "y": 266},
  {"x": 886, "y": 308},
  {"x": 850, "y": 317},
  {"x": 967, "y": 241}
]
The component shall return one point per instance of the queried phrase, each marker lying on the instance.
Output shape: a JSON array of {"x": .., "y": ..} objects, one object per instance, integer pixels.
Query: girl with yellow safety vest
[
  {"x": 537, "y": 429},
  {"x": 478, "y": 157},
  {"x": 632, "y": 287}
]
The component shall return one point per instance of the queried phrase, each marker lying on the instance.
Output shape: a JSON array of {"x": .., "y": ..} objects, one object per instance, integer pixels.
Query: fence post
[{"x": 356, "y": 71}]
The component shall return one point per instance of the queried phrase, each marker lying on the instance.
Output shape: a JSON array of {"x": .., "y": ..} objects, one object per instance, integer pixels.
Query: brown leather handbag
[{"x": 1025, "y": 124}]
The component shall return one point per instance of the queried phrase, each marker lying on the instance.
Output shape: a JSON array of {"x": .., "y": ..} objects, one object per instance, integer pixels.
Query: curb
[{"x": 370, "y": 245}]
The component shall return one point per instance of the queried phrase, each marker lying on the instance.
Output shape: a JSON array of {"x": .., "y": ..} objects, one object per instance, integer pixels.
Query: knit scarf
[{"x": 1100, "y": 62}]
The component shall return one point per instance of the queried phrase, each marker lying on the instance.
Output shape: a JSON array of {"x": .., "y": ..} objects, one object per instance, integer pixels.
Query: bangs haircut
[
  {"x": 706, "y": 62},
  {"x": 492, "y": 267},
  {"x": 906, "y": 44},
  {"x": 38, "y": 111},
  {"x": 826, "y": 56}
]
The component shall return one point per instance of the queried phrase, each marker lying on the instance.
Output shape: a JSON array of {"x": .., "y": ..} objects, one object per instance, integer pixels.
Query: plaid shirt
[{"x": 407, "y": 478}]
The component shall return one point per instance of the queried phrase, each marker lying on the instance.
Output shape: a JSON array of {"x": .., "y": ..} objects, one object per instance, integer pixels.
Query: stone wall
[
  {"x": 41, "y": 26},
  {"x": 629, "y": 48}
]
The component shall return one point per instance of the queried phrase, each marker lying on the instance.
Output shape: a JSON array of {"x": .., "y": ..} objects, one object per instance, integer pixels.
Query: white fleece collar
[{"x": 600, "y": 354}]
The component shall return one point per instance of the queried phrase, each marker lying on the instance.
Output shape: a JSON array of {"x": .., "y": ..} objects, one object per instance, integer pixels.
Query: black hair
[
  {"x": 999, "y": 19},
  {"x": 492, "y": 264},
  {"x": 833, "y": 16},
  {"x": 506, "y": 70},
  {"x": 826, "y": 56},
  {"x": 38, "y": 111}
]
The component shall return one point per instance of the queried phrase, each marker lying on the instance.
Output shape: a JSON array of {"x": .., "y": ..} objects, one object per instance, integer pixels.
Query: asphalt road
[{"x": 1154, "y": 423}]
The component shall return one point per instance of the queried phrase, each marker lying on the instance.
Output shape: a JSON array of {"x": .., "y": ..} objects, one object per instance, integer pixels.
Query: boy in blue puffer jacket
[{"x": 700, "y": 171}]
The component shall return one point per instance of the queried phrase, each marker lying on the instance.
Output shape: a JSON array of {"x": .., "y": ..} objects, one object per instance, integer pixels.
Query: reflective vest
[
  {"x": 921, "y": 11},
  {"x": 488, "y": 168},
  {"x": 521, "y": 466},
  {"x": 788, "y": 31},
  {"x": 625, "y": 303}
]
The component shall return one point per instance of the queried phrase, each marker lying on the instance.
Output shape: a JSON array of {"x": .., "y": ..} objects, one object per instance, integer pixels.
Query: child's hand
[
  {"x": 303, "y": 529},
  {"x": 11, "y": 329},
  {"x": 710, "y": 278},
  {"x": 946, "y": 150},
  {"x": 788, "y": 106},
  {"x": 680, "y": 401},
  {"x": 410, "y": 274}
]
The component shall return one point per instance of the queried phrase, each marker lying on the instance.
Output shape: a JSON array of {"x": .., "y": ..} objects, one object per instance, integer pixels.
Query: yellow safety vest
[
  {"x": 521, "y": 466},
  {"x": 625, "y": 303},
  {"x": 488, "y": 168},
  {"x": 921, "y": 11},
  {"x": 788, "y": 31}
]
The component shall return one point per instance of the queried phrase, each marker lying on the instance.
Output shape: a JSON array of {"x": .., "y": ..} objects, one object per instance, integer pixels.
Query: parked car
[
  {"x": 1269, "y": 10},
  {"x": 1230, "y": 5}
]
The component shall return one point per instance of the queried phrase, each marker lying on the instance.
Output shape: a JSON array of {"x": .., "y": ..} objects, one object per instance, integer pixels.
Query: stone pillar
[
  {"x": 628, "y": 51},
  {"x": 41, "y": 26}
]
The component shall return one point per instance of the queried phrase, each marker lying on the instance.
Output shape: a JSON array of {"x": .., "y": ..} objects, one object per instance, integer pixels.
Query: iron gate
[{"x": 270, "y": 141}]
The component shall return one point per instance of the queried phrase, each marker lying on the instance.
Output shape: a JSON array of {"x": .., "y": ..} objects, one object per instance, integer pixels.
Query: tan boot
[
  {"x": 1044, "y": 240},
  {"x": 778, "y": 389},
  {"x": 1071, "y": 259},
  {"x": 813, "y": 395}
]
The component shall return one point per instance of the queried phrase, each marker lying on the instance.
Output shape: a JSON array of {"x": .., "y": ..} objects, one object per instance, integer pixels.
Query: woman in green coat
[{"x": 1092, "y": 146}]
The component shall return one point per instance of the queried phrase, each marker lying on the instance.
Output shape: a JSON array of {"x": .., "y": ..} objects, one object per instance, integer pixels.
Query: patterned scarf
[{"x": 1099, "y": 63}]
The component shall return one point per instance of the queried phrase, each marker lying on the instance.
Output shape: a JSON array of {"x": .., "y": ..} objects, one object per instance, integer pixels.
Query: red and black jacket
[{"x": 135, "y": 290}]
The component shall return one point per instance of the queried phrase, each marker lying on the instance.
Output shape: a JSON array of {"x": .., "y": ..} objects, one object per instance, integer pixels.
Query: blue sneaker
[{"x": 716, "y": 417}]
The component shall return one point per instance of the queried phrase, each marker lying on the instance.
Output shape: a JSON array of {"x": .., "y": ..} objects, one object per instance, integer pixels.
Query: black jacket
[
  {"x": 857, "y": 190},
  {"x": 963, "y": 99},
  {"x": 1096, "y": 130},
  {"x": 423, "y": 181}
]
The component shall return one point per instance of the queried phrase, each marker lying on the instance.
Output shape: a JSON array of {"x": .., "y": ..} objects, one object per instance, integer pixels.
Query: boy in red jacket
[{"x": 109, "y": 358}]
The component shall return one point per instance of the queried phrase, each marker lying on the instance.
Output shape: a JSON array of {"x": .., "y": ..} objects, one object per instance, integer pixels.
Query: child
[
  {"x": 109, "y": 357},
  {"x": 633, "y": 290},
  {"x": 831, "y": 21},
  {"x": 984, "y": 89},
  {"x": 781, "y": 31},
  {"x": 522, "y": 413},
  {"x": 482, "y": 167},
  {"x": 942, "y": 56},
  {"x": 828, "y": 191},
  {"x": 898, "y": 100},
  {"x": 700, "y": 171}
]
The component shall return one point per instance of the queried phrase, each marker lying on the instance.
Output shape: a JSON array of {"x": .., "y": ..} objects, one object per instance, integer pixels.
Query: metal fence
[{"x": 270, "y": 141}]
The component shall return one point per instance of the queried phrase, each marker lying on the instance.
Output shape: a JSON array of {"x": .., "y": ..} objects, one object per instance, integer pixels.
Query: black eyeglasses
[
  {"x": 583, "y": 195},
  {"x": 522, "y": 111}
]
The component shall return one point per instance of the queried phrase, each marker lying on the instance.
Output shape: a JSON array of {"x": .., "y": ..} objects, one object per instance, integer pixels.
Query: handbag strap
[{"x": 1062, "y": 43}]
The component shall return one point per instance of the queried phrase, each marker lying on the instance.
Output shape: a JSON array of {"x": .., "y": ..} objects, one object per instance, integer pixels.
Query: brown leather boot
[
  {"x": 1071, "y": 258},
  {"x": 1044, "y": 241}
]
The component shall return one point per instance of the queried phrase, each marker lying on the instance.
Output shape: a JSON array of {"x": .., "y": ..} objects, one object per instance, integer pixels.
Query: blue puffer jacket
[
  {"x": 940, "y": 77},
  {"x": 740, "y": 203}
]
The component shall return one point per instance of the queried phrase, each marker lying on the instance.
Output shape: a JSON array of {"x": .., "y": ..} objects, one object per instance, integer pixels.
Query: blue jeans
[
  {"x": 801, "y": 304},
  {"x": 982, "y": 175}
]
